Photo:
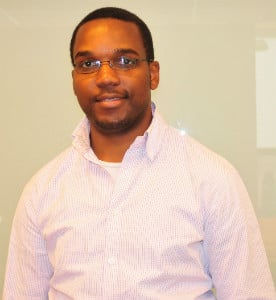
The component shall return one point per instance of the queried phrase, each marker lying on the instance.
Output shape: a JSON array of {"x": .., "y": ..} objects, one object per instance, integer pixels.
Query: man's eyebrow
[
  {"x": 125, "y": 51},
  {"x": 117, "y": 51},
  {"x": 83, "y": 53}
]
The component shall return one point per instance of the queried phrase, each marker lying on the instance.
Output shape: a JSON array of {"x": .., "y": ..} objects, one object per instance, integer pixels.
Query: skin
[{"x": 117, "y": 103}]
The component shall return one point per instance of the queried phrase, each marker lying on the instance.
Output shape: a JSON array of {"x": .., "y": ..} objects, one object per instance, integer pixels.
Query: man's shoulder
[
  {"x": 56, "y": 165},
  {"x": 197, "y": 156}
]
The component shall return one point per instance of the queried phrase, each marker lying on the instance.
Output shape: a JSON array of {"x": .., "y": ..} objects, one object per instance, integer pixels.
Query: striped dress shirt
[{"x": 174, "y": 223}]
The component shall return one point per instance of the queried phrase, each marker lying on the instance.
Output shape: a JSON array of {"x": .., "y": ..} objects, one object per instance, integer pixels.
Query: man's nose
[{"x": 106, "y": 75}]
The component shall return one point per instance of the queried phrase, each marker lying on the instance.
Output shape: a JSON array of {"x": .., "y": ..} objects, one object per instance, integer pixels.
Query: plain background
[{"x": 218, "y": 84}]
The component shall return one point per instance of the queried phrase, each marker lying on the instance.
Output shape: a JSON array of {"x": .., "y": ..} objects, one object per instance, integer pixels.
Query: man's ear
[
  {"x": 72, "y": 74},
  {"x": 154, "y": 74}
]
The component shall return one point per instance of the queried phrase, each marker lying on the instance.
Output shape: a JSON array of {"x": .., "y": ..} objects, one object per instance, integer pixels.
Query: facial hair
[{"x": 121, "y": 125}]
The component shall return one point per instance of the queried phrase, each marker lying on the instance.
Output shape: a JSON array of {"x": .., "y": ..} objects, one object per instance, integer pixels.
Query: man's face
[{"x": 114, "y": 100}]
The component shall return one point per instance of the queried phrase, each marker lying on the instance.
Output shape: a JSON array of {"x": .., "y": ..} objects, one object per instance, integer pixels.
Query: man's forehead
[
  {"x": 106, "y": 24},
  {"x": 109, "y": 32}
]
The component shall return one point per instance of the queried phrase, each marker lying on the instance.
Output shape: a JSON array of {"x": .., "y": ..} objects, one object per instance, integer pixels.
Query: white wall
[{"x": 217, "y": 83}]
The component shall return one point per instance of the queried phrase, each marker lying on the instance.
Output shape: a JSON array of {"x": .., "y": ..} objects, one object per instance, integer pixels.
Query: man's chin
[{"x": 114, "y": 126}]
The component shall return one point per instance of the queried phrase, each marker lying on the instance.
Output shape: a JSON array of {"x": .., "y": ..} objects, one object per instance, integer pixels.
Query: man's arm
[
  {"x": 28, "y": 270},
  {"x": 237, "y": 260}
]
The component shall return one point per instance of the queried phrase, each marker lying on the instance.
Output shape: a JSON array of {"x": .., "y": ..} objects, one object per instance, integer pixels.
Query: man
[{"x": 133, "y": 210}]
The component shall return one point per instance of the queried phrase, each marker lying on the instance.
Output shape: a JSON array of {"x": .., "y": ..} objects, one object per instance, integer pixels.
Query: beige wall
[{"x": 218, "y": 74}]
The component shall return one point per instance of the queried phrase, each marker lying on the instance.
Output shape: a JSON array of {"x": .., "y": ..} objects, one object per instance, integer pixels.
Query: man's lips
[{"x": 110, "y": 97}]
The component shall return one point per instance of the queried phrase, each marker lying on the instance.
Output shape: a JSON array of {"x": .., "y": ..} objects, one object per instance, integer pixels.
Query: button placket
[{"x": 112, "y": 251}]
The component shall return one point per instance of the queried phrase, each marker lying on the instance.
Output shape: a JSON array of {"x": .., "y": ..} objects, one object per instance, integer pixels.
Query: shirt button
[
  {"x": 112, "y": 260},
  {"x": 118, "y": 212}
]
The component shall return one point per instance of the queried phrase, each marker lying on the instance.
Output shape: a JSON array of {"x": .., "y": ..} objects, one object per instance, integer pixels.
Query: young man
[{"x": 133, "y": 210}]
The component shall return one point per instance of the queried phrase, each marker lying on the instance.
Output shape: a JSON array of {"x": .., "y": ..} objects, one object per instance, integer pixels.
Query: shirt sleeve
[
  {"x": 28, "y": 270},
  {"x": 237, "y": 261}
]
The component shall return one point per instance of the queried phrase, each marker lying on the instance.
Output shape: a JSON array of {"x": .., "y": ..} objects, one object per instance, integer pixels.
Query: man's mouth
[{"x": 110, "y": 97}]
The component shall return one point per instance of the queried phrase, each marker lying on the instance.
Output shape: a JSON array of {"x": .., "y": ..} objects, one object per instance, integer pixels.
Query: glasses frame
[{"x": 111, "y": 64}]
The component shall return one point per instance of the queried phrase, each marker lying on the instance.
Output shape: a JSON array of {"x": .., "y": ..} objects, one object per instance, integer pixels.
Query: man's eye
[
  {"x": 126, "y": 61},
  {"x": 89, "y": 64}
]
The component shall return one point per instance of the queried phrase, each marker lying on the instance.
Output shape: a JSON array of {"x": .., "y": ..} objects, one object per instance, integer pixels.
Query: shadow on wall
[{"x": 266, "y": 202}]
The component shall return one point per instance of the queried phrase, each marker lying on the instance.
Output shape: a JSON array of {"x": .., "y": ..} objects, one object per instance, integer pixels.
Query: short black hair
[{"x": 120, "y": 14}]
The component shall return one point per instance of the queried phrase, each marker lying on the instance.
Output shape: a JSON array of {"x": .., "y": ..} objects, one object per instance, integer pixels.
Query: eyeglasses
[{"x": 119, "y": 63}]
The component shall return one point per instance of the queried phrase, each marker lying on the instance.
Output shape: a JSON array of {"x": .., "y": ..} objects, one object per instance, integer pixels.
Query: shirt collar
[
  {"x": 155, "y": 134},
  {"x": 151, "y": 140}
]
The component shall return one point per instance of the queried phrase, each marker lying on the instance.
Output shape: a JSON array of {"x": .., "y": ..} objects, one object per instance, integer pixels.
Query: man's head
[
  {"x": 120, "y": 14},
  {"x": 114, "y": 71}
]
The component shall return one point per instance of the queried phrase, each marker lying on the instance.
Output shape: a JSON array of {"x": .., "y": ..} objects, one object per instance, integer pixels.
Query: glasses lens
[
  {"x": 88, "y": 66},
  {"x": 124, "y": 63}
]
